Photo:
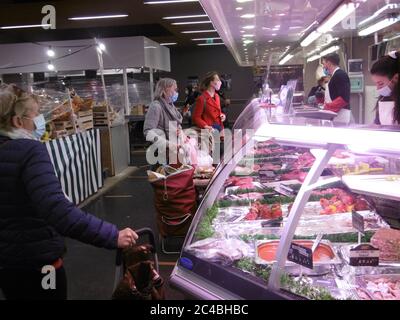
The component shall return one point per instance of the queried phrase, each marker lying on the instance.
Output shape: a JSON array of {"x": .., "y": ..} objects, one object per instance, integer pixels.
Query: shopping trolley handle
[{"x": 139, "y": 232}]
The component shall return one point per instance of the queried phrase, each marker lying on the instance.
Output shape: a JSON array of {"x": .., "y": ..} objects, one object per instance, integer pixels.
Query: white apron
[
  {"x": 386, "y": 109},
  {"x": 344, "y": 115}
]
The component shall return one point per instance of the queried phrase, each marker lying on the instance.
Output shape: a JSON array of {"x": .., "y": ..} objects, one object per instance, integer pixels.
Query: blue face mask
[
  {"x": 174, "y": 98},
  {"x": 40, "y": 124}
]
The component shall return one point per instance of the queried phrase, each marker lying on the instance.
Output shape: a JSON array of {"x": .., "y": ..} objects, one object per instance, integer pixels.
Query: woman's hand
[
  {"x": 208, "y": 127},
  {"x": 126, "y": 238},
  {"x": 223, "y": 117}
]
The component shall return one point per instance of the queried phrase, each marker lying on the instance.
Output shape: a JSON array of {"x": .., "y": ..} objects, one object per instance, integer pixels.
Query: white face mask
[
  {"x": 385, "y": 91},
  {"x": 217, "y": 86}
]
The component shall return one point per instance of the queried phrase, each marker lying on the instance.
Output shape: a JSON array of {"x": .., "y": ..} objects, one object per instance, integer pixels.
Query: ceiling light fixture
[
  {"x": 168, "y": 44},
  {"x": 247, "y": 41},
  {"x": 247, "y": 35},
  {"x": 285, "y": 59},
  {"x": 50, "y": 66},
  {"x": 337, "y": 16},
  {"x": 169, "y": 1},
  {"x": 248, "y": 16},
  {"x": 250, "y": 27},
  {"x": 313, "y": 58},
  {"x": 199, "y": 31},
  {"x": 190, "y": 22},
  {"x": 329, "y": 50},
  {"x": 26, "y": 26},
  {"x": 211, "y": 44},
  {"x": 310, "y": 38},
  {"x": 111, "y": 16},
  {"x": 243, "y": 1},
  {"x": 382, "y": 24},
  {"x": 186, "y": 17},
  {"x": 50, "y": 52},
  {"x": 389, "y": 6},
  {"x": 239, "y": 8},
  {"x": 205, "y": 39},
  {"x": 101, "y": 47}
]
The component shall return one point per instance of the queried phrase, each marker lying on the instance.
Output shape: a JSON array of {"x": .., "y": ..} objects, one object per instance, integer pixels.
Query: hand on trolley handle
[{"x": 127, "y": 238}]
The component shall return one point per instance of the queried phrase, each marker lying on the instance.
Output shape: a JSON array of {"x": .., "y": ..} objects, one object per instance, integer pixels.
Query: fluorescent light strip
[
  {"x": 377, "y": 13},
  {"x": 168, "y": 44},
  {"x": 190, "y": 22},
  {"x": 340, "y": 13},
  {"x": 100, "y": 17},
  {"x": 382, "y": 24},
  {"x": 248, "y": 16},
  {"x": 248, "y": 27},
  {"x": 313, "y": 58},
  {"x": 169, "y": 1},
  {"x": 243, "y": 1},
  {"x": 286, "y": 59},
  {"x": 205, "y": 39},
  {"x": 186, "y": 17},
  {"x": 211, "y": 44},
  {"x": 199, "y": 31},
  {"x": 26, "y": 26},
  {"x": 310, "y": 38},
  {"x": 329, "y": 50}
]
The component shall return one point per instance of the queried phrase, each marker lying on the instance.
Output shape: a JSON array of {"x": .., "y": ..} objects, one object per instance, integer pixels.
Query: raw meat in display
[
  {"x": 241, "y": 182},
  {"x": 305, "y": 160},
  {"x": 225, "y": 251},
  {"x": 264, "y": 212},
  {"x": 294, "y": 175},
  {"x": 384, "y": 288},
  {"x": 388, "y": 243}
]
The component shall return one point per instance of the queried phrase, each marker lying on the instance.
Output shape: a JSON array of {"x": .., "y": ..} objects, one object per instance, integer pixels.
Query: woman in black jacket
[
  {"x": 385, "y": 74},
  {"x": 34, "y": 213}
]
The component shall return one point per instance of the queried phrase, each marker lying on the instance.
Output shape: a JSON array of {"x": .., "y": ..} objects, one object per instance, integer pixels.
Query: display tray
[
  {"x": 379, "y": 286},
  {"x": 316, "y": 114},
  {"x": 384, "y": 186},
  {"x": 324, "y": 256}
]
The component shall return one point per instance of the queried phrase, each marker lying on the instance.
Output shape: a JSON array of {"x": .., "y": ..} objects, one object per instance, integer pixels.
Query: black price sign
[
  {"x": 358, "y": 221},
  {"x": 301, "y": 255},
  {"x": 364, "y": 255}
]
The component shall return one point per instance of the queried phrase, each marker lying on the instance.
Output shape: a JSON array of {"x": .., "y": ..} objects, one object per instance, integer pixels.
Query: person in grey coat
[{"x": 162, "y": 124}]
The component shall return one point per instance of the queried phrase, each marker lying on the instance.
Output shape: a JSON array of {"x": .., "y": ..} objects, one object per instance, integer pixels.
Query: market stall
[
  {"x": 77, "y": 163},
  {"x": 86, "y": 94},
  {"x": 304, "y": 210}
]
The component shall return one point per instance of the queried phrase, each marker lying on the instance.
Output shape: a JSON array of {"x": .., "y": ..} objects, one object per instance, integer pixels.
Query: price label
[
  {"x": 364, "y": 255},
  {"x": 358, "y": 221},
  {"x": 300, "y": 255}
]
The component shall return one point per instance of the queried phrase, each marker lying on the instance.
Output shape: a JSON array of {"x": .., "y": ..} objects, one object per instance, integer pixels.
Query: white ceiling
[{"x": 276, "y": 26}]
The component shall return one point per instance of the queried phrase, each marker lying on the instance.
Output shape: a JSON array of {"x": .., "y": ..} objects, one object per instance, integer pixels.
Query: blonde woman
[
  {"x": 163, "y": 122},
  {"x": 34, "y": 213}
]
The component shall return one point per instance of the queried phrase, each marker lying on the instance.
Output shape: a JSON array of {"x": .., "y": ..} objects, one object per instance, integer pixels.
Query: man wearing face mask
[
  {"x": 385, "y": 74},
  {"x": 337, "y": 93},
  {"x": 162, "y": 112},
  {"x": 207, "y": 112}
]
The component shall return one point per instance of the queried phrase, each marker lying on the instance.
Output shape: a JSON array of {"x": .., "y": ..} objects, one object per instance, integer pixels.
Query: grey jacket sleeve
[{"x": 153, "y": 117}]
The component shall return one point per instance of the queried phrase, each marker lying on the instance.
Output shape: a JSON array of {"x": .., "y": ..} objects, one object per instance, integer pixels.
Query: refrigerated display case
[{"x": 278, "y": 220}]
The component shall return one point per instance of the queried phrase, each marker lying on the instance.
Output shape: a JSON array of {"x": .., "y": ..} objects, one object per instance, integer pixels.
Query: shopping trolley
[{"x": 120, "y": 266}]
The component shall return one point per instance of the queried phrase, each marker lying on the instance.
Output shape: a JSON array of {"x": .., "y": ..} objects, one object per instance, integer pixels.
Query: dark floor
[{"x": 91, "y": 270}]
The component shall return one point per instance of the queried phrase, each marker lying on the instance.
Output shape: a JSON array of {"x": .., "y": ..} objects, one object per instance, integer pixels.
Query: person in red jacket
[{"x": 207, "y": 112}]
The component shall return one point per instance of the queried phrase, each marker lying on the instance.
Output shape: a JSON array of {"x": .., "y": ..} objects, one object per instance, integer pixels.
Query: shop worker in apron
[
  {"x": 35, "y": 215},
  {"x": 337, "y": 93},
  {"x": 385, "y": 75}
]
